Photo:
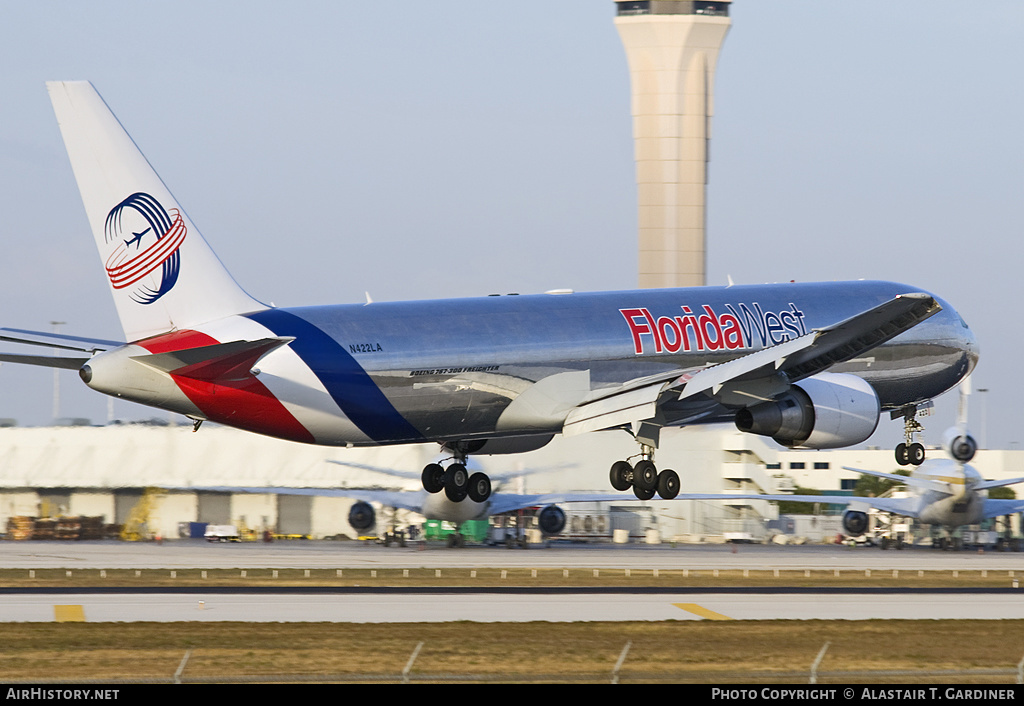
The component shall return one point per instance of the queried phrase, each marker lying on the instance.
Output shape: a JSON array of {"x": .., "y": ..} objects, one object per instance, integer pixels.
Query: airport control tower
[{"x": 672, "y": 48}]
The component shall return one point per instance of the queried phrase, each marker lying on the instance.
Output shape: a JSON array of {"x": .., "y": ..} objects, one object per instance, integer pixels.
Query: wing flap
[{"x": 614, "y": 410}]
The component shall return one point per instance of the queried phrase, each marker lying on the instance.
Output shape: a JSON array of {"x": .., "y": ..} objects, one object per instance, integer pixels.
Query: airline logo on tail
[{"x": 145, "y": 238}]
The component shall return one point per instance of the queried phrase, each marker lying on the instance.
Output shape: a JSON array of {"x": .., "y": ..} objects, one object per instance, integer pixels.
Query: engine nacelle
[
  {"x": 855, "y": 522},
  {"x": 959, "y": 444},
  {"x": 827, "y": 411},
  {"x": 362, "y": 516},
  {"x": 551, "y": 519}
]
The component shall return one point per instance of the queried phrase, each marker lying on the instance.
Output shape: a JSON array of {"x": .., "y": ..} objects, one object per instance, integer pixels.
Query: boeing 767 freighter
[{"x": 811, "y": 365}]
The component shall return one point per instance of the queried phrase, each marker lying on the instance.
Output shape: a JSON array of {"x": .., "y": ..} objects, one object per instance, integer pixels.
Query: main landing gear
[
  {"x": 910, "y": 452},
  {"x": 456, "y": 481},
  {"x": 644, "y": 478}
]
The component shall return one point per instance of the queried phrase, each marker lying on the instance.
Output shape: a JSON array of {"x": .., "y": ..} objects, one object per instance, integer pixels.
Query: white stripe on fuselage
[{"x": 292, "y": 382}]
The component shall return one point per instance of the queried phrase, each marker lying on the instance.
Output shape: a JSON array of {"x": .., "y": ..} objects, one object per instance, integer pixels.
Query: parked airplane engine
[
  {"x": 551, "y": 519},
  {"x": 827, "y": 411},
  {"x": 855, "y": 522},
  {"x": 960, "y": 445},
  {"x": 362, "y": 516}
]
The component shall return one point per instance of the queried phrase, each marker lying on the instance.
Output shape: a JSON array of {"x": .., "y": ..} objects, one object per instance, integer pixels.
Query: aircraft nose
[{"x": 967, "y": 343}]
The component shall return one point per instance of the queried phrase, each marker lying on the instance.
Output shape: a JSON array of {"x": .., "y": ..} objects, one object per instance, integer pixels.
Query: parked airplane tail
[{"x": 162, "y": 274}]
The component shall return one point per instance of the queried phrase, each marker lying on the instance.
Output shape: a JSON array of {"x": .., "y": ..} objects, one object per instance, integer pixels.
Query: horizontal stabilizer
[
  {"x": 47, "y": 361},
  {"x": 221, "y": 362},
  {"x": 49, "y": 340},
  {"x": 986, "y": 484},
  {"x": 937, "y": 486}
]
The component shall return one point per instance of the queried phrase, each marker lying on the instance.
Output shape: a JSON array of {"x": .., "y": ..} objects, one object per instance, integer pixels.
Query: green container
[{"x": 473, "y": 530}]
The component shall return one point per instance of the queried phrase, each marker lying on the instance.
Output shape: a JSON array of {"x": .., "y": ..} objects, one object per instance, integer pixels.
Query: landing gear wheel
[
  {"x": 433, "y": 478},
  {"x": 884, "y": 543},
  {"x": 643, "y": 494},
  {"x": 645, "y": 476},
  {"x": 668, "y": 484},
  {"x": 479, "y": 487},
  {"x": 621, "y": 475},
  {"x": 902, "y": 454},
  {"x": 456, "y": 482},
  {"x": 915, "y": 454}
]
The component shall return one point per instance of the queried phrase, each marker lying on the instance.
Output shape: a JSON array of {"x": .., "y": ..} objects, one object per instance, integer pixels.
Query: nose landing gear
[{"x": 910, "y": 452}]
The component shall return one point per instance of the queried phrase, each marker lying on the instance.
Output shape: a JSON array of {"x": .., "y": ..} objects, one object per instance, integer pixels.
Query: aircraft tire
[
  {"x": 902, "y": 454},
  {"x": 915, "y": 454},
  {"x": 643, "y": 494},
  {"x": 668, "y": 484},
  {"x": 456, "y": 482},
  {"x": 433, "y": 478},
  {"x": 479, "y": 487},
  {"x": 645, "y": 475},
  {"x": 620, "y": 475}
]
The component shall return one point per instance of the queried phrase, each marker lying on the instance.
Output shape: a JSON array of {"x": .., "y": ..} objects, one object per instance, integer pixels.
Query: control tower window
[
  {"x": 673, "y": 7},
  {"x": 634, "y": 7}
]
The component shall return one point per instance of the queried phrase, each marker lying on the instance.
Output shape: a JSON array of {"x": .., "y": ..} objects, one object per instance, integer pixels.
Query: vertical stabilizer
[{"x": 161, "y": 272}]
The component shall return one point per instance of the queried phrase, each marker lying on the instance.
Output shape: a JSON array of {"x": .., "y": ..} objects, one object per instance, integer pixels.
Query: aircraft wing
[
  {"x": 413, "y": 499},
  {"x": 509, "y": 502},
  {"x": 923, "y": 483},
  {"x": 898, "y": 506},
  {"x": 995, "y": 508},
  {"x": 417, "y": 475},
  {"x": 759, "y": 375},
  {"x": 402, "y": 499}
]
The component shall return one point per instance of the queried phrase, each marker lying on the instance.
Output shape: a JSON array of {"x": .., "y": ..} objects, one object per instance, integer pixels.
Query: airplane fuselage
[
  {"x": 514, "y": 366},
  {"x": 960, "y": 504}
]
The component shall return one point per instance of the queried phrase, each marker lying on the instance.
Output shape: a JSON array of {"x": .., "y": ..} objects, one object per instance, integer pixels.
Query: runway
[
  {"x": 368, "y": 605},
  {"x": 522, "y": 605}
]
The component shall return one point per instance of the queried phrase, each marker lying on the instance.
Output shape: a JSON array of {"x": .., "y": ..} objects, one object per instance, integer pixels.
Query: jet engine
[
  {"x": 959, "y": 444},
  {"x": 855, "y": 522},
  {"x": 551, "y": 519},
  {"x": 827, "y": 411},
  {"x": 362, "y": 516}
]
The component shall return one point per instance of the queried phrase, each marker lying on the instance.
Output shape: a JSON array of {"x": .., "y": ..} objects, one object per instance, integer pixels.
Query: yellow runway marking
[
  {"x": 701, "y": 611},
  {"x": 69, "y": 614}
]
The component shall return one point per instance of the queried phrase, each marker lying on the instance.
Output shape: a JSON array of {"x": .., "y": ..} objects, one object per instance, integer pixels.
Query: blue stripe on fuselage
[{"x": 346, "y": 381}]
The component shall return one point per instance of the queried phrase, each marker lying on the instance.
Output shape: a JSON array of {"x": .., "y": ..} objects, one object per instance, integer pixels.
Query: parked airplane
[
  {"x": 437, "y": 506},
  {"x": 945, "y": 492},
  {"x": 811, "y": 365}
]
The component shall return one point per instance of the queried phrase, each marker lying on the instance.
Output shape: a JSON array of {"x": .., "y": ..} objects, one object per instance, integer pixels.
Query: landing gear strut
[
  {"x": 644, "y": 478},
  {"x": 456, "y": 482},
  {"x": 910, "y": 452}
]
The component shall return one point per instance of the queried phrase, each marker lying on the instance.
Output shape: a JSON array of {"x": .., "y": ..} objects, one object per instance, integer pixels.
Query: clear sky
[{"x": 422, "y": 150}]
